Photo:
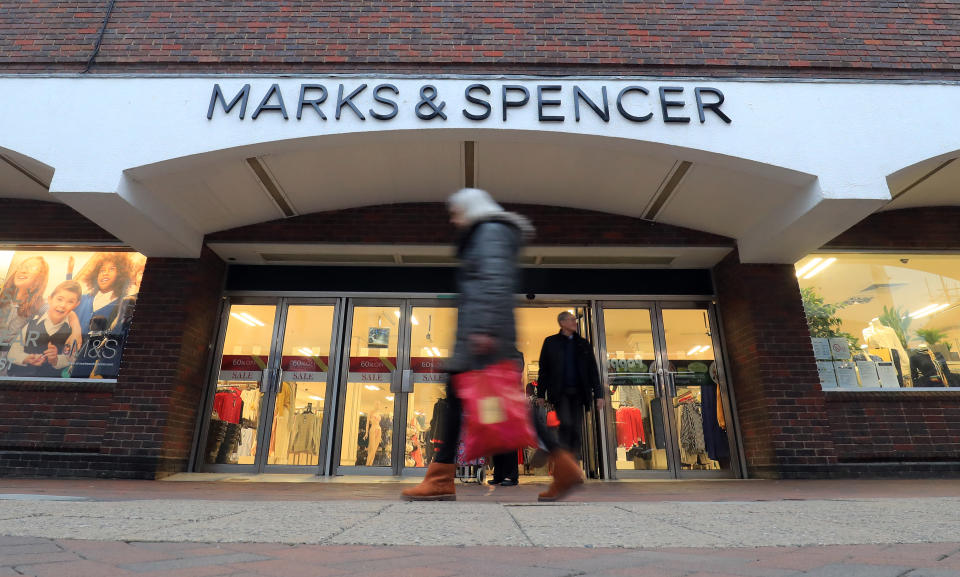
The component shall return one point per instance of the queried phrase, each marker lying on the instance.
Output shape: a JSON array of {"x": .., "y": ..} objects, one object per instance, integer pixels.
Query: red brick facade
[
  {"x": 771, "y": 369},
  {"x": 733, "y": 38},
  {"x": 403, "y": 223}
]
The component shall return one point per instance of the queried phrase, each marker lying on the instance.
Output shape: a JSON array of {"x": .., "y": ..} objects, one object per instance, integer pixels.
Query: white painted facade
[{"x": 800, "y": 162}]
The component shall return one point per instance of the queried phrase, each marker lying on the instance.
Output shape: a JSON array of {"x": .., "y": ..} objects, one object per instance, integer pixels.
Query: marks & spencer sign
[{"x": 436, "y": 103}]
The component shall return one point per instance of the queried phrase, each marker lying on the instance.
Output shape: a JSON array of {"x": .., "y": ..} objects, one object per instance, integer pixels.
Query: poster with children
[{"x": 66, "y": 314}]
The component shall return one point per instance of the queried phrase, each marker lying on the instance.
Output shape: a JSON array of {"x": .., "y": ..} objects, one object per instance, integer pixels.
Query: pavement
[{"x": 250, "y": 526}]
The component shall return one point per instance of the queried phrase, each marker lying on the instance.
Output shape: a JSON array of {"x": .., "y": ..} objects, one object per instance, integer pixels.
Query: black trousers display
[
  {"x": 447, "y": 451},
  {"x": 570, "y": 413}
]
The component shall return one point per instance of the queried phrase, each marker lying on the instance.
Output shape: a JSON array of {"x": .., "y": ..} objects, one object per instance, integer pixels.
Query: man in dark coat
[
  {"x": 569, "y": 379},
  {"x": 488, "y": 280}
]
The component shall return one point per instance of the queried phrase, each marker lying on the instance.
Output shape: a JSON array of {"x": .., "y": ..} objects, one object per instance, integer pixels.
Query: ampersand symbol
[{"x": 427, "y": 96}]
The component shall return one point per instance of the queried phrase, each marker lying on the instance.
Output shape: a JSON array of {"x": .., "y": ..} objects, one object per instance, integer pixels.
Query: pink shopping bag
[{"x": 496, "y": 416}]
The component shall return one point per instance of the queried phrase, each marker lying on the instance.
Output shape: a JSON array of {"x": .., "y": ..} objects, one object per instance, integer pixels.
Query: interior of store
[{"x": 895, "y": 311}]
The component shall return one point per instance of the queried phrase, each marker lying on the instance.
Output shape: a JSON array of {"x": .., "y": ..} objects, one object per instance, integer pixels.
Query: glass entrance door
[
  {"x": 274, "y": 375},
  {"x": 668, "y": 405},
  {"x": 393, "y": 398}
]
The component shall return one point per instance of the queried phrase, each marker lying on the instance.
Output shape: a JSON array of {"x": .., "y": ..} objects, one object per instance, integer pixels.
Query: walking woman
[{"x": 487, "y": 280}]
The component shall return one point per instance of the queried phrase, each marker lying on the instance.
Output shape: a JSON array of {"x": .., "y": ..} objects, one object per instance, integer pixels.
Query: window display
[
  {"x": 899, "y": 314},
  {"x": 56, "y": 323}
]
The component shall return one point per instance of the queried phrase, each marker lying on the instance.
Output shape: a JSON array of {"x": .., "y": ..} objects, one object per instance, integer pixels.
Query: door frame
[
  {"x": 211, "y": 387},
  {"x": 663, "y": 386},
  {"x": 332, "y": 373}
]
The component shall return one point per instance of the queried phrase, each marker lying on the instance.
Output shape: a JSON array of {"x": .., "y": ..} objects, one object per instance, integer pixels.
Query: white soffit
[
  {"x": 931, "y": 183},
  {"x": 443, "y": 255},
  {"x": 23, "y": 177}
]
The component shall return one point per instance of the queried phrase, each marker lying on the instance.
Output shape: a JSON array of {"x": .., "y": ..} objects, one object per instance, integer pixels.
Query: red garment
[
  {"x": 228, "y": 405},
  {"x": 630, "y": 427}
]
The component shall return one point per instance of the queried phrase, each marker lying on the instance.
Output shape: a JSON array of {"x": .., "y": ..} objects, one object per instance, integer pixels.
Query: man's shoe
[
  {"x": 508, "y": 483},
  {"x": 494, "y": 482},
  {"x": 437, "y": 484},
  {"x": 566, "y": 476}
]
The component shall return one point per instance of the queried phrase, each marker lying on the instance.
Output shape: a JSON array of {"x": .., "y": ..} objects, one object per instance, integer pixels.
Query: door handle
[
  {"x": 279, "y": 381},
  {"x": 264, "y": 381},
  {"x": 671, "y": 385},
  {"x": 406, "y": 381}
]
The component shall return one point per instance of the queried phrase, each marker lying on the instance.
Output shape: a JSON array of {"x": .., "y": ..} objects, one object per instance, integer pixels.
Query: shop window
[
  {"x": 66, "y": 314},
  {"x": 883, "y": 320}
]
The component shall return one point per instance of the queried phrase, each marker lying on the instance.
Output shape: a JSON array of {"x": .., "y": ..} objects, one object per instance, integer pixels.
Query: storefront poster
[
  {"x": 868, "y": 374},
  {"x": 242, "y": 367},
  {"x": 821, "y": 349},
  {"x": 846, "y": 374},
  {"x": 304, "y": 369},
  {"x": 428, "y": 370},
  {"x": 378, "y": 337},
  {"x": 66, "y": 314},
  {"x": 888, "y": 375},
  {"x": 371, "y": 369},
  {"x": 828, "y": 378}
]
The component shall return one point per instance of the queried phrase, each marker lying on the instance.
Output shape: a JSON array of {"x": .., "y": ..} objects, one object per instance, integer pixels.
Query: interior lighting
[
  {"x": 389, "y": 397},
  {"x": 810, "y": 264},
  {"x": 695, "y": 349},
  {"x": 316, "y": 398},
  {"x": 305, "y": 351},
  {"x": 436, "y": 351},
  {"x": 371, "y": 387},
  {"x": 428, "y": 351},
  {"x": 397, "y": 313},
  {"x": 243, "y": 320},
  {"x": 705, "y": 348},
  {"x": 820, "y": 268},
  {"x": 252, "y": 319},
  {"x": 928, "y": 310},
  {"x": 414, "y": 320}
]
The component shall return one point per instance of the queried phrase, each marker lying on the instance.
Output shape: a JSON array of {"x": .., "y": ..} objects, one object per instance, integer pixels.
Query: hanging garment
[
  {"x": 229, "y": 405},
  {"x": 247, "y": 438},
  {"x": 714, "y": 434},
  {"x": 656, "y": 415},
  {"x": 251, "y": 402},
  {"x": 306, "y": 434},
  {"x": 382, "y": 457},
  {"x": 361, "y": 441},
  {"x": 691, "y": 429},
  {"x": 629, "y": 427}
]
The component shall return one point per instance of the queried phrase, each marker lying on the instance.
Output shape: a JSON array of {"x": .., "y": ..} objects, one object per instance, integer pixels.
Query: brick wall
[
  {"x": 27, "y": 221},
  {"x": 403, "y": 223},
  {"x": 672, "y": 37},
  {"x": 142, "y": 425},
  {"x": 928, "y": 228},
  {"x": 894, "y": 427},
  {"x": 163, "y": 376},
  {"x": 782, "y": 417}
]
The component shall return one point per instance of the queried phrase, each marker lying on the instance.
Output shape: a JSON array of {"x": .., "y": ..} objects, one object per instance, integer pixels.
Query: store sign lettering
[{"x": 477, "y": 102}]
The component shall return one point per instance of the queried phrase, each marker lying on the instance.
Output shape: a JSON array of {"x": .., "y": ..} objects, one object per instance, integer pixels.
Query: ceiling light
[
  {"x": 371, "y": 387},
  {"x": 316, "y": 398},
  {"x": 305, "y": 351},
  {"x": 820, "y": 268},
  {"x": 397, "y": 313},
  {"x": 428, "y": 351},
  {"x": 436, "y": 351},
  {"x": 389, "y": 398},
  {"x": 414, "y": 320},
  {"x": 252, "y": 319},
  {"x": 243, "y": 319},
  {"x": 695, "y": 349},
  {"x": 705, "y": 348},
  {"x": 810, "y": 264},
  {"x": 927, "y": 311}
]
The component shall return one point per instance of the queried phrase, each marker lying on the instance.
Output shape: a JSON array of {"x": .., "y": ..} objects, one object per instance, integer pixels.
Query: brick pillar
[
  {"x": 151, "y": 422},
  {"x": 784, "y": 426}
]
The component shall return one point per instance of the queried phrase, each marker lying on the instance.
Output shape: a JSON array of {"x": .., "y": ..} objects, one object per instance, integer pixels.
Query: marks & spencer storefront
[{"x": 254, "y": 274}]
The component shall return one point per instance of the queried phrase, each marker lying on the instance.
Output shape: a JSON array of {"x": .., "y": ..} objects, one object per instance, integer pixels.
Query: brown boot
[
  {"x": 566, "y": 476},
  {"x": 437, "y": 485}
]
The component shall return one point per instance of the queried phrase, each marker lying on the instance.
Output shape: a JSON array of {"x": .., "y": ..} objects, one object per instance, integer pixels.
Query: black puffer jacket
[{"x": 488, "y": 280}]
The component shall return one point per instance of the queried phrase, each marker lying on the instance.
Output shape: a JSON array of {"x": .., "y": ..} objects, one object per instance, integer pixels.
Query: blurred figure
[{"x": 487, "y": 280}]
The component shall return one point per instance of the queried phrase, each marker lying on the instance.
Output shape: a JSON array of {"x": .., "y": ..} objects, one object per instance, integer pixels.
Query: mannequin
[
  {"x": 374, "y": 434},
  {"x": 879, "y": 336}
]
